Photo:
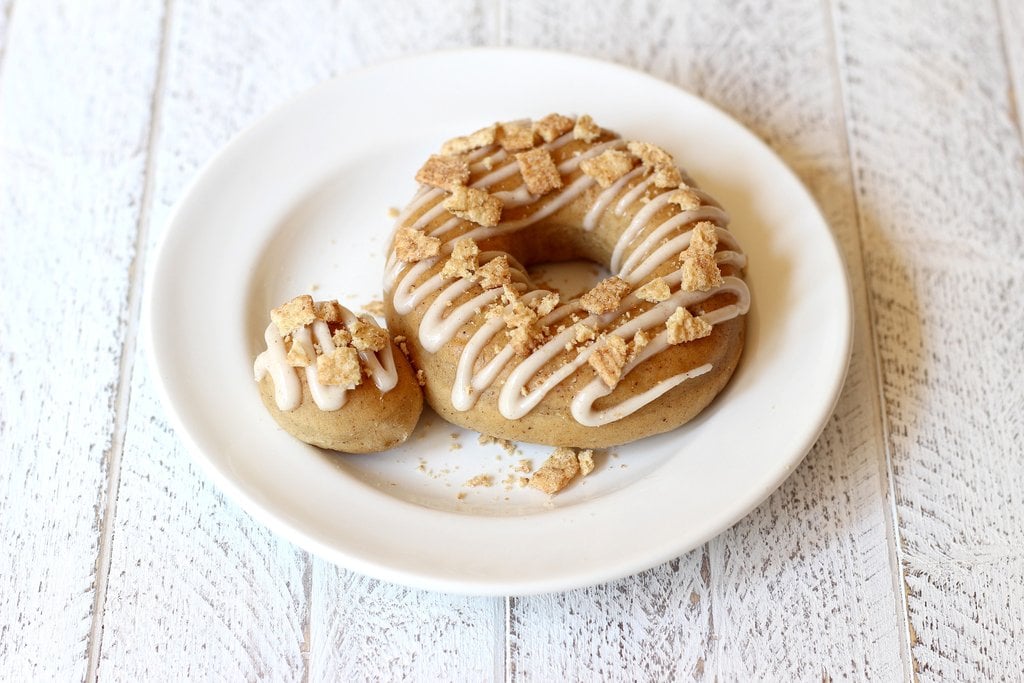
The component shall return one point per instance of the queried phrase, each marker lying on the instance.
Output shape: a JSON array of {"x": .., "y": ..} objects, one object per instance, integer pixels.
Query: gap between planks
[
  {"x": 8, "y": 17},
  {"x": 1012, "y": 76},
  {"x": 889, "y": 510},
  {"x": 129, "y": 349}
]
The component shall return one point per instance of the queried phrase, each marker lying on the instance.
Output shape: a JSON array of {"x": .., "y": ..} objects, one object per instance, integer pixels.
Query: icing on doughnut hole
[
  {"x": 642, "y": 353},
  {"x": 336, "y": 380}
]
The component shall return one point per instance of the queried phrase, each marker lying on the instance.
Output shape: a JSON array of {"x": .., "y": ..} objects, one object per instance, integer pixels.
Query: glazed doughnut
[
  {"x": 335, "y": 380},
  {"x": 641, "y": 353}
]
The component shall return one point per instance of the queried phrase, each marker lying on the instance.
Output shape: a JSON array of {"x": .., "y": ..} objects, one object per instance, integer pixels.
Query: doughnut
[
  {"x": 335, "y": 380},
  {"x": 642, "y": 352}
]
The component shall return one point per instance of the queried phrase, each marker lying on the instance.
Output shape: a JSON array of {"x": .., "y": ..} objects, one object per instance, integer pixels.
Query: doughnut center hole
[{"x": 569, "y": 278}]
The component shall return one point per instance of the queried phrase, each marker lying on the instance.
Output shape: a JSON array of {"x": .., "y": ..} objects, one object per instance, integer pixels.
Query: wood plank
[
  {"x": 815, "y": 558},
  {"x": 937, "y": 159},
  {"x": 364, "y": 629},
  {"x": 274, "y": 612},
  {"x": 78, "y": 81},
  {"x": 430, "y": 636}
]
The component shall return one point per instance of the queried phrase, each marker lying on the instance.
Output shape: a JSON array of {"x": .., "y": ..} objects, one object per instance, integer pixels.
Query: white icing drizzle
[
  {"x": 606, "y": 197},
  {"x": 633, "y": 195},
  {"x": 443, "y": 319},
  {"x": 327, "y": 398},
  {"x": 636, "y": 226},
  {"x": 513, "y": 403},
  {"x": 583, "y": 404},
  {"x": 709, "y": 213},
  {"x": 288, "y": 389}
]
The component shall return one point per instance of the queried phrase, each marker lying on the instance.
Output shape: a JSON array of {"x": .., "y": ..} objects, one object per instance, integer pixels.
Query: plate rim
[{"x": 464, "y": 585}]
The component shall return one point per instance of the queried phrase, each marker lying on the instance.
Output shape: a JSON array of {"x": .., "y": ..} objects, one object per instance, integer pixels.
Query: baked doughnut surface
[
  {"x": 336, "y": 380},
  {"x": 641, "y": 353}
]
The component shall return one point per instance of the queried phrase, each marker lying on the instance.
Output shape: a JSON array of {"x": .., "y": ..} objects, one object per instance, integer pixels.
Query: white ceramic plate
[{"x": 300, "y": 200}]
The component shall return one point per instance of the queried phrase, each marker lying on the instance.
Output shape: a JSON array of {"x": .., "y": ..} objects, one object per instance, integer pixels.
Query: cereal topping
[
  {"x": 297, "y": 313},
  {"x": 480, "y": 480},
  {"x": 341, "y": 337},
  {"x": 583, "y": 333},
  {"x": 539, "y": 171},
  {"x": 412, "y": 245},
  {"x": 683, "y": 327},
  {"x": 586, "y": 459},
  {"x": 703, "y": 239},
  {"x": 654, "y": 291},
  {"x": 700, "y": 272},
  {"x": 585, "y": 129},
  {"x": 605, "y": 297},
  {"x": 609, "y": 360},
  {"x": 463, "y": 259},
  {"x": 474, "y": 205},
  {"x": 552, "y": 126},
  {"x": 650, "y": 155},
  {"x": 298, "y": 357},
  {"x": 558, "y": 470},
  {"x": 495, "y": 273},
  {"x": 641, "y": 339},
  {"x": 465, "y": 143},
  {"x": 339, "y": 368},
  {"x": 366, "y": 335},
  {"x": 667, "y": 176},
  {"x": 516, "y": 137},
  {"x": 521, "y": 321},
  {"x": 607, "y": 167},
  {"x": 686, "y": 199},
  {"x": 329, "y": 311},
  {"x": 546, "y": 303},
  {"x": 446, "y": 172}
]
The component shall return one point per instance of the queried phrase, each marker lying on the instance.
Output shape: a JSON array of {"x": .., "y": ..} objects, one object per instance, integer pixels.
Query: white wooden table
[{"x": 894, "y": 550}]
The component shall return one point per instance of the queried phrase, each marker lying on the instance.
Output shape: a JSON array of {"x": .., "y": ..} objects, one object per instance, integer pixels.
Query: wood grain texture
[
  {"x": 429, "y": 636},
  {"x": 815, "y": 558},
  {"x": 1010, "y": 15},
  {"x": 364, "y": 629},
  {"x": 937, "y": 158},
  {"x": 656, "y": 625},
  {"x": 249, "y": 604},
  {"x": 77, "y": 85}
]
